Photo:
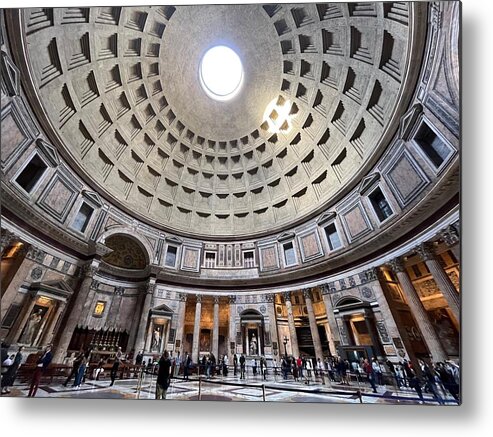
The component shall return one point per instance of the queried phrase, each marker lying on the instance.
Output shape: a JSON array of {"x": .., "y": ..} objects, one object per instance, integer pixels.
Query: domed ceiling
[{"x": 322, "y": 91}]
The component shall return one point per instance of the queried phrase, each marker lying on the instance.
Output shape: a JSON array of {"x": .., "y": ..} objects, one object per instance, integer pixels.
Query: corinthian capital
[
  {"x": 426, "y": 251},
  {"x": 396, "y": 265}
]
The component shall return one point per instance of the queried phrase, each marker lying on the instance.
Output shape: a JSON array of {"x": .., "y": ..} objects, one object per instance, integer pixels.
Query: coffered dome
[{"x": 323, "y": 86}]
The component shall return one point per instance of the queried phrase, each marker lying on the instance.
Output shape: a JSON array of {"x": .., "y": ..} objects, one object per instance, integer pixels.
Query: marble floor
[{"x": 231, "y": 388}]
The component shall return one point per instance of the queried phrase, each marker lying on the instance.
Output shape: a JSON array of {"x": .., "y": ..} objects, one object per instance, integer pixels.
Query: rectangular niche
[
  {"x": 171, "y": 256},
  {"x": 380, "y": 205},
  {"x": 433, "y": 147},
  {"x": 32, "y": 173},
  {"x": 333, "y": 240},
  {"x": 82, "y": 218},
  {"x": 289, "y": 252}
]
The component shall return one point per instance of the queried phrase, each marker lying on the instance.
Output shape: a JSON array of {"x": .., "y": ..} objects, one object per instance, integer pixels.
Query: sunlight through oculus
[{"x": 221, "y": 73}]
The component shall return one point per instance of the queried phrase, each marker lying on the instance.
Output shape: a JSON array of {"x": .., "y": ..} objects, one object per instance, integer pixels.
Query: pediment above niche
[
  {"x": 93, "y": 197},
  {"x": 10, "y": 73},
  {"x": 368, "y": 182},
  {"x": 408, "y": 121},
  {"x": 326, "y": 217},
  {"x": 174, "y": 240},
  {"x": 285, "y": 236},
  {"x": 49, "y": 152}
]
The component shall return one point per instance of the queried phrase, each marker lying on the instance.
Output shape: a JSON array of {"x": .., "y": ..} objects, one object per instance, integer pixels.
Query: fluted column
[
  {"x": 80, "y": 305},
  {"x": 181, "y": 321},
  {"x": 232, "y": 327},
  {"x": 146, "y": 307},
  {"x": 271, "y": 312},
  {"x": 215, "y": 328},
  {"x": 307, "y": 293},
  {"x": 16, "y": 330},
  {"x": 49, "y": 331},
  {"x": 196, "y": 329},
  {"x": 334, "y": 338},
  {"x": 292, "y": 327},
  {"x": 450, "y": 236},
  {"x": 451, "y": 295},
  {"x": 419, "y": 312}
]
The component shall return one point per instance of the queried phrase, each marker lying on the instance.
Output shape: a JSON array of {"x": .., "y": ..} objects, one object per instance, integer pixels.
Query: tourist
[
  {"x": 75, "y": 368},
  {"x": 320, "y": 369},
  {"x": 235, "y": 364},
  {"x": 176, "y": 370},
  {"x": 225, "y": 365},
  {"x": 416, "y": 385},
  {"x": 370, "y": 374},
  {"x": 448, "y": 381},
  {"x": 41, "y": 366},
  {"x": 242, "y": 366},
  {"x": 139, "y": 358},
  {"x": 81, "y": 370},
  {"x": 187, "y": 366},
  {"x": 377, "y": 370},
  {"x": 309, "y": 368},
  {"x": 254, "y": 366},
  {"x": 9, "y": 376},
  {"x": 98, "y": 370},
  {"x": 163, "y": 376},
  {"x": 299, "y": 364},
  {"x": 116, "y": 365},
  {"x": 430, "y": 381}
]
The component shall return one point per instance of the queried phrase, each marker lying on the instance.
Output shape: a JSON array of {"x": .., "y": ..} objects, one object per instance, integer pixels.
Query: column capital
[
  {"x": 7, "y": 238},
  {"x": 426, "y": 251},
  {"x": 183, "y": 297},
  {"x": 119, "y": 291},
  {"x": 325, "y": 289},
  {"x": 216, "y": 299},
  {"x": 95, "y": 284},
  {"x": 371, "y": 274},
  {"x": 450, "y": 235},
  {"x": 270, "y": 297},
  {"x": 287, "y": 296},
  {"x": 151, "y": 285},
  {"x": 232, "y": 298},
  {"x": 307, "y": 293},
  {"x": 89, "y": 270},
  {"x": 36, "y": 254},
  {"x": 199, "y": 298},
  {"x": 397, "y": 265}
]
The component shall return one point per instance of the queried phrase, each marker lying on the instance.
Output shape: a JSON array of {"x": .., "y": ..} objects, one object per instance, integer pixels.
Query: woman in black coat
[{"x": 10, "y": 375}]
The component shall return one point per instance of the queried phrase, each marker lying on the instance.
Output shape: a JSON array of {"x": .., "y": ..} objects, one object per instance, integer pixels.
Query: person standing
[
  {"x": 187, "y": 366},
  {"x": 75, "y": 368},
  {"x": 163, "y": 376},
  {"x": 9, "y": 376},
  {"x": 81, "y": 371},
  {"x": 116, "y": 365},
  {"x": 242, "y": 366},
  {"x": 177, "y": 364},
  {"x": 377, "y": 370},
  {"x": 254, "y": 367},
  {"x": 235, "y": 364},
  {"x": 225, "y": 365},
  {"x": 139, "y": 358},
  {"x": 41, "y": 366},
  {"x": 370, "y": 374}
]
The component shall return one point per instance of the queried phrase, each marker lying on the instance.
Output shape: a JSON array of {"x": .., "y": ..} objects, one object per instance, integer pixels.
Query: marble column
[
  {"x": 136, "y": 319},
  {"x": 450, "y": 293},
  {"x": 27, "y": 308},
  {"x": 307, "y": 293},
  {"x": 334, "y": 338},
  {"x": 140, "y": 338},
  {"x": 372, "y": 330},
  {"x": 196, "y": 330},
  {"x": 450, "y": 236},
  {"x": 22, "y": 274},
  {"x": 292, "y": 327},
  {"x": 215, "y": 328},
  {"x": 80, "y": 305},
  {"x": 49, "y": 331},
  {"x": 271, "y": 312},
  {"x": 90, "y": 298},
  {"x": 181, "y": 322},
  {"x": 232, "y": 327},
  {"x": 428, "y": 332}
]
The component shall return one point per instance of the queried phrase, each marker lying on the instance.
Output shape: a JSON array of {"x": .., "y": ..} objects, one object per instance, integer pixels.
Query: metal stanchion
[
  {"x": 200, "y": 387},
  {"x": 263, "y": 392}
]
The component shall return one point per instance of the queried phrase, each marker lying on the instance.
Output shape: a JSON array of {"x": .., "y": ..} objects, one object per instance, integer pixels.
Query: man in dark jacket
[
  {"x": 187, "y": 366},
  {"x": 41, "y": 366},
  {"x": 163, "y": 376},
  {"x": 242, "y": 366}
]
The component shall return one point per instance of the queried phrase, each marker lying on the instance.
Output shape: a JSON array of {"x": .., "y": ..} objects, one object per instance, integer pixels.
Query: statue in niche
[
  {"x": 156, "y": 339},
  {"x": 32, "y": 326},
  {"x": 253, "y": 345}
]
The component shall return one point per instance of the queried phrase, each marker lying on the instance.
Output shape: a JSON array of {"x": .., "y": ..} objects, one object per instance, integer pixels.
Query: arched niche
[
  {"x": 252, "y": 332},
  {"x": 128, "y": 252}
]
